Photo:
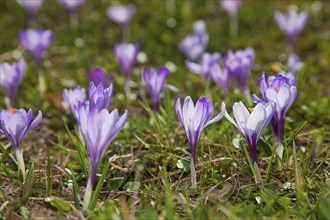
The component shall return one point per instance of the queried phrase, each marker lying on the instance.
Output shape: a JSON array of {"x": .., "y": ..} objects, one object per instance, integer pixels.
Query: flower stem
[
  {"x": 233, "y": 26},
  {"x": 193, "y": 173},
  {"x": 88, "y": 193},
  {"x": 20, "y": 163},
  {"x": 42, "y": 83}
]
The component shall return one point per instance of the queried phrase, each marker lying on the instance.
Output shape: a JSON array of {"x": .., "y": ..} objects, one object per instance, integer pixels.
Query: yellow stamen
[
  {"x": 12, "y": 110},
  {"x": 277, "y": 90},
  {"x": 251, "y": 109}
]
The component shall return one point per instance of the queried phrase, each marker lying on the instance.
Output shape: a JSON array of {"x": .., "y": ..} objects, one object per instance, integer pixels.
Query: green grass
[{"x": 143, "y": 179}]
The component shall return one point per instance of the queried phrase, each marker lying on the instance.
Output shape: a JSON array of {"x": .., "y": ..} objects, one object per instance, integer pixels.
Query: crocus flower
[
  {"x": 121, "y": 15},
  {"x": 155, "y": 81},
  {"x": 291, "y": 23},
  {"x": 282, "y": 91},
  {"x": 221, "y": 77},
  {"x": 294, "y": 64},
  {"x": 194, "y": 119},
  {"x": 71, "y": 5},
  {"x": 126, "y": 55},
  {"x": 98, "y": 129},
  {"x": 204, "y": 67},
  {"x": 72, "y": 97},
  {"x": 11, "y": 77},
  {"x": 239, "y": 65},
  {"x": 251, "y": 123},
  {"x": 230, "y": 6},
  {"x": 194, "y": 45},
  {"x": 31, "y": 6},
  {"x": 98, "y": 75},
  {"x": 99, "y": 97},
  {"x": 36, "y": 41},
  {"x": 15, "y": 124}
]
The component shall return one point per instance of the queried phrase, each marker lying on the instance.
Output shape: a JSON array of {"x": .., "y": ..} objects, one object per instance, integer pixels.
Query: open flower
[
  {"x": 251, "y": 123},
  {"x": 15, "y": 124},
  {"x": 31, "y": 6},
  {"x": 204, "y": 67},
  {"x": 282, "y": 91},
  {"x": 71, "y": 5},
  {"x": 99, "y": 97},
  {"x": 126, "y": 55},
  {"x": 291, "y": 23},
  {"x": 155, "y": 81},
  {"x": 98, "y": 75},
  {"x": 98, "y": 129},
  {"x": 194, "y": 45},
  {"x": 194, "y": 119},
  {"x": 239, "y": 65},
  {"x": 121, "y": 15},
  {"x": 36, "y": 41},
  {"x": 72, "y": 97},
  {"x": 11, "y": 77},
  {"x": 230, "y": 6}
]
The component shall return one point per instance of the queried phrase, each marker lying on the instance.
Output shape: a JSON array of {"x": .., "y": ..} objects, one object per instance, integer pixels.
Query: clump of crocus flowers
[
  {"x": 282, "y": 91},
  {"x": 98, "y": 126},
  {"x": 36, "y": 41},
  {"x": 194, "y": 118},
  {"x": 15, "y": 124},
  {"x": 11, "y": 77},
  {"x": 194, "y": 45}
]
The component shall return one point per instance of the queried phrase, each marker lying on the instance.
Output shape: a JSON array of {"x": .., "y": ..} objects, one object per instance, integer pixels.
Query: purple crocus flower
[
  {"x": 72, "y": 97},
  {"x": 291, "y": 23},
  {"x": 282, "y": 91},
  {"x": 36, "y": 41},
  {"x": 251, "y": 123},
  {"x": 294, "y": 64},
  {"x": 194, "y": 119},
  {"x": 121, "y": 15},
  {"x": 98, "y": 76},
  {"x": 239, "y": 65},
  {"x": 15, "y": 124},
  {"x": 31, "y": 6},
  {"x": 230, "y": 6},
  {"x": 98, "y": 129},
  {"x": 155, "y": 81},
  {"x": 194, "y": 45},
  {"x": 99, "y": 97},
  {"x": 126, "y": 55},
  {"x": 71, "y": 5},
  {"x": 221, "y": 77},
  {"x": 11, "y": 77},
  {"x": 204, "y": 67}
]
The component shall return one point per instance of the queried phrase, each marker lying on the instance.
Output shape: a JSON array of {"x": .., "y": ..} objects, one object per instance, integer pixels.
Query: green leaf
[
  {"x": 183, "y": 164},
  {"x": 25, "y": 212},
  {"x": 132, "y": 186},
  {"x": 285, "y": 202},
  {"x": 322, "y": 208},
  {"x": 115, "y": 183},
  {"x": 58, "y": 204}
]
